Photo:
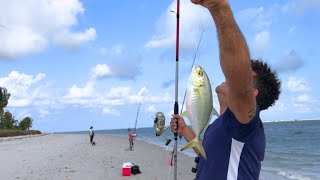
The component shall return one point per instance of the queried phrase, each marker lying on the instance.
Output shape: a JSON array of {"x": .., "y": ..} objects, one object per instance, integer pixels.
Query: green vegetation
[
  {"x": 26, "y": 123},
  {"x": 9, "y": 126},
  {"x": 17, "y": 132}
]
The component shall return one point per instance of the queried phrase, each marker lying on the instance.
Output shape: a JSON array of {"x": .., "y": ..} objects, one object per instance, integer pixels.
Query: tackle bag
[{"x": 135, "y": 170}]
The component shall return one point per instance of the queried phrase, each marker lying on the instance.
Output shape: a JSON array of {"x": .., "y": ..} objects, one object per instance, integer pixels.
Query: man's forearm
[
  {"x": 189, "y": 135},
  {"x": 234, "y": 53}
]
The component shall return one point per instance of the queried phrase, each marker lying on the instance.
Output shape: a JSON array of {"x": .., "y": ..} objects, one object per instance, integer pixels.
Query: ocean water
[
  {"x": 292, "y": 152},
  {"x": 293, "y": 149}
]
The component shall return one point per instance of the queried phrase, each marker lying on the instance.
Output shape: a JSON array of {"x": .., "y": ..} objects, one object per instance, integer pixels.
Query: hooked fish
[{"x": 199, "y": 106}]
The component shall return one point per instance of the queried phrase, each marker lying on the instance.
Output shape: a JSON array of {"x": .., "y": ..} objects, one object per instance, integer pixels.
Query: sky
[{"x": 70, "y": 64}]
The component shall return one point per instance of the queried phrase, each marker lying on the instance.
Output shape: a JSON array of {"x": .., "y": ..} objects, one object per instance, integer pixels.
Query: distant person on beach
[
  {"x": 130, "y": 137},
  {"x": 91, "y": 134},
  {"x": 235, "y": 142}
]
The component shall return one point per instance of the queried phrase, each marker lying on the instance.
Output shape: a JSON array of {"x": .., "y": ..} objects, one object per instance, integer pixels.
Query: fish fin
[
  {"x": 185, "y": 114},
  {"x": 214, "y": 112},
  {"x": 195, "y": 143},
  {"x": 205, "y": 128}
]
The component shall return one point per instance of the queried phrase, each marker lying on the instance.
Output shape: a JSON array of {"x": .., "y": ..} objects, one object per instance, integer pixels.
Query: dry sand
[{"x": 72, "y": 157}]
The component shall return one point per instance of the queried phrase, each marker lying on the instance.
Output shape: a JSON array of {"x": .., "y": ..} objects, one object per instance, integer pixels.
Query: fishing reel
[{"x": 159, "y": 125}]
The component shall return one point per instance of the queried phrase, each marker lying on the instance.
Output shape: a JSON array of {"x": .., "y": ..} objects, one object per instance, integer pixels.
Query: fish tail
[{"x": 195, "y": 143}]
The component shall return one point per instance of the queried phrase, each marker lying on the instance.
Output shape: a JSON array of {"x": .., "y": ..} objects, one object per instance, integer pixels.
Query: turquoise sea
[{"x": 292, "y": 152}]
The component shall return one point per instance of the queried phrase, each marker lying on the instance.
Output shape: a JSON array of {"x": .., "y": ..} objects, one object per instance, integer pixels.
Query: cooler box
[{"x": 126, "y": 169}]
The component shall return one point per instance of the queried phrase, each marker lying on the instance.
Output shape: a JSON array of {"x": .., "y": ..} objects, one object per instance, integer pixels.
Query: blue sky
[{"x": 70, "y": 64}]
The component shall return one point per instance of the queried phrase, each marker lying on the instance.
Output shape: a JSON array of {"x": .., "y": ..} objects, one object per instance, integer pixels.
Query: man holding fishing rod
[{"x": 235, "y": 142}]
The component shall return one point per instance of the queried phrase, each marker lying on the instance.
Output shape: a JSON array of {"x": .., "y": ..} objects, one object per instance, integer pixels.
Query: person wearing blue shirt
[{"x": 235, "y": 142}]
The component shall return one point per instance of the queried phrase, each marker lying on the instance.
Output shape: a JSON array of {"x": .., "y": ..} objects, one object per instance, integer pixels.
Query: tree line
[{"x": 7, "y": 121}]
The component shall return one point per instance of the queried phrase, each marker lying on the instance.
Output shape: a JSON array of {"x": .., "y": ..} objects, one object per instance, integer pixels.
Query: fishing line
[
  {"x": 169, "y": 171},
  {"x": 194, "y": 58}
]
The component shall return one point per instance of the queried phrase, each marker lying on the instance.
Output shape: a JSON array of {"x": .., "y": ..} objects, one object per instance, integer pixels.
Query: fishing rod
[
  {"x": 135, "y": 124},
  {"x": 176, "y": 105}
]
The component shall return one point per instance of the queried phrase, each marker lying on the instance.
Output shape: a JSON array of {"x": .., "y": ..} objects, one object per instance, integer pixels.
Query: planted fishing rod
[
  {"x": 135, "y": 124},
  {"x": 134, "y": 134}
]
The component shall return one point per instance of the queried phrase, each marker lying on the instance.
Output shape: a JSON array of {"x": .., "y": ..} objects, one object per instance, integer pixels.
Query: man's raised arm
[{"x": 234, "y": 60}]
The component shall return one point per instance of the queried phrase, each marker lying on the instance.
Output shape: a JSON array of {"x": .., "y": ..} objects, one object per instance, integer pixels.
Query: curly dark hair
[{"x": 267, "y": 83}]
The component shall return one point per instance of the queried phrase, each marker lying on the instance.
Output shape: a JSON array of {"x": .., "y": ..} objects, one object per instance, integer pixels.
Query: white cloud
[
  {"x": 106, "y": 101},
  {"x": 110, "y": 111},
  {"x": 159, "y": 98},
  {"x": 290, "y": 62},
  {"x": 119, "y": 92},
  {"x": 101, "y": 70},
  {"x": 261, "y": 41},
  {"x": 21, "y": 88},
  {"x": 81, "y": 92},
  {"x": 20, "y": 41},
  {"x": 123, "y": 69},
  {"x": 23, "y": 114},
  {"x": 117, "y": 96},
  {"x": 43, "y": 112},
  {"x": 299, "y": 6},
  {"x": 192, "y": 21},
  {"x": 301, "y": 108},
  {"x": 151, "y": 109},
  {"x": 27, "y": 92},
  {"x": 297, "y": 85},
  {"x": 45, "y": 101},
  {"x": 117, "y": 49},
  {"x": 29, "y": 26},
  {"x": 73, "y": 40},
  {"x": 17, "y": 82},
  {"x": 279, "y": 106},
  {"x": 303, "y": 98},
  {"x": 20, "y": 102}
]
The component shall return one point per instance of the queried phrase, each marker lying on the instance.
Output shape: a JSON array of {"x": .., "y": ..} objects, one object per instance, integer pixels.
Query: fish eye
[{"x": 200, "y": 73}]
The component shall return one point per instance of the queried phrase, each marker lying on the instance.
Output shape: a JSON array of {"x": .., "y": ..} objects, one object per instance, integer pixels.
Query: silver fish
[{"x": 199, "y": 106}]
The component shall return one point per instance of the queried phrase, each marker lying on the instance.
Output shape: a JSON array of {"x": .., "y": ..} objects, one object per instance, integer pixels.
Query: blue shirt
[{"x": 234, "y": 150}]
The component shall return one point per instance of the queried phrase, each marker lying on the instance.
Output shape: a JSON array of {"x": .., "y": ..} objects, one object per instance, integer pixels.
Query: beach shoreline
[
  {"x": 70, "y": 156},
  {"x": 10, "y": 138}
]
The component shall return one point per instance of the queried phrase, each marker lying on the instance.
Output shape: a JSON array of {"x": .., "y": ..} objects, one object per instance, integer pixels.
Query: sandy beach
[{"x": 61, "y": 156}]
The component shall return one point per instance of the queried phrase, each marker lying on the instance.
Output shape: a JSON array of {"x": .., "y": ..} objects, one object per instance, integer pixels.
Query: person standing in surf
[
  {"x": 235, "y": 142},
  {"x": 91, "y": 134}
]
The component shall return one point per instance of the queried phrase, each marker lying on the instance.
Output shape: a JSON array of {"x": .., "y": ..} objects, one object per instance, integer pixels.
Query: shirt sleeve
[{"x": 239, "y": 131}]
